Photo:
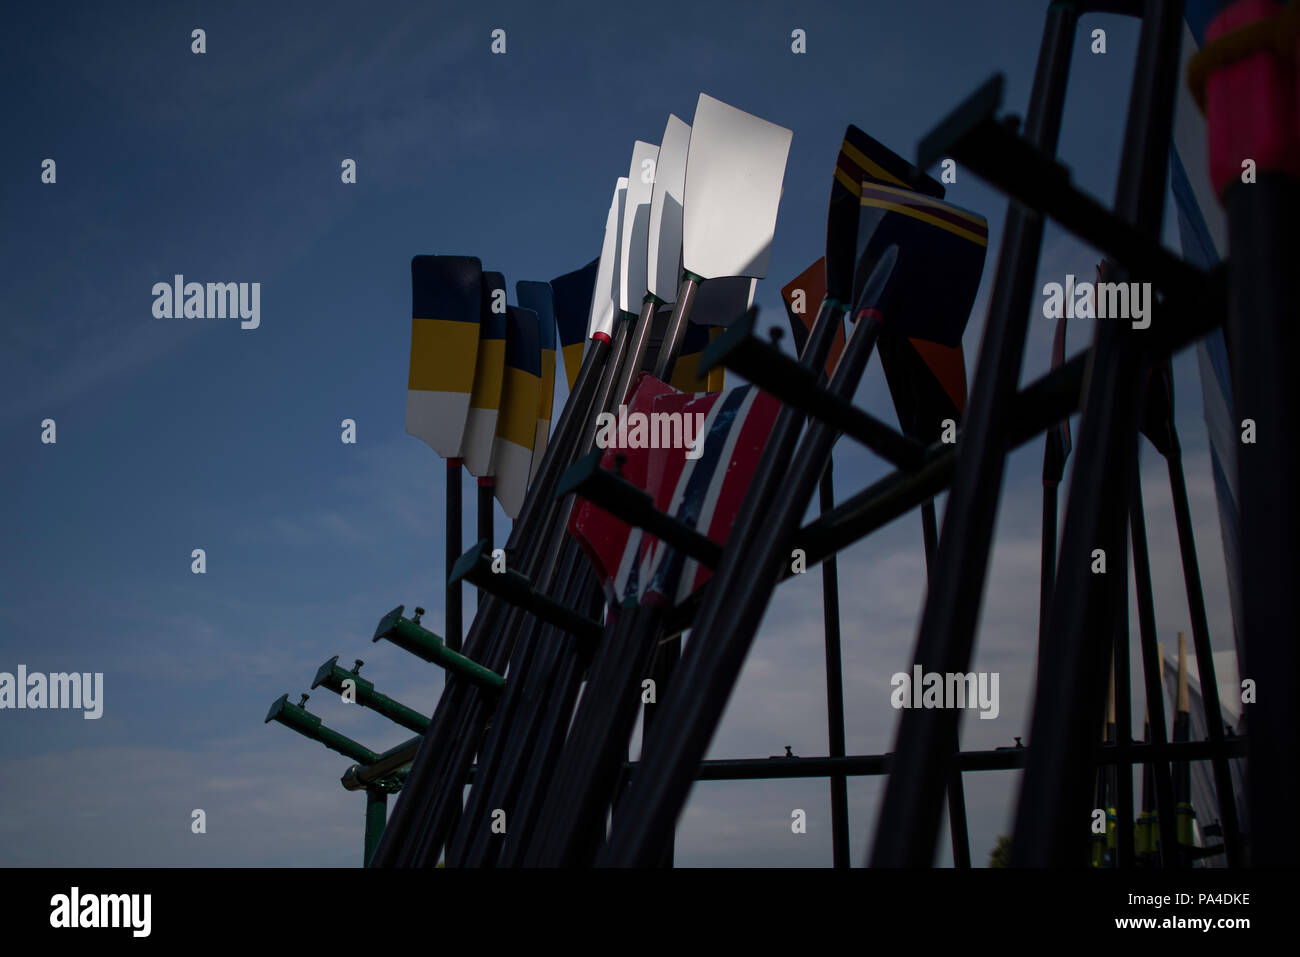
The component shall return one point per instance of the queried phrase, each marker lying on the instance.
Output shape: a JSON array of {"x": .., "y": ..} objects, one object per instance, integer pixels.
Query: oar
[
  {"x": 485, "y": 401},
  {"x": 421, "y": 818},
  {"x": 810, "y": 286},
  {"x": 571, "y": 294},
  {"x": 634, "y": 258},
  {"x": 563, "y": 833},
  {"x": 446, "y": 293},
  {"x": 1056, "y": 450},
  {"x": 734, "y": 170},
  {"x": 895, "y": 290},
  {"x": 538, "y": 297},
  {"x": 517, "y": 423}
]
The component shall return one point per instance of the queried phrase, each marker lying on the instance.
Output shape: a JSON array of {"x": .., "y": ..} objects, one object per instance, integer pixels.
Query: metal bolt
[
  {"x": 787, "y": 752},
  {"x": 356, "y": 668},
  {"x": 302, "y": 703},
  {"x": 419, "y": 613},
  {"x": 1018, "y": 744},
  {"x": 776, "y": 334}
]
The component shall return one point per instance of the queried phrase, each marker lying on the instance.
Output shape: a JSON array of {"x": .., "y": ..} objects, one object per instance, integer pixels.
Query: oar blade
[
  {"x": 941, "y": 257},
  {"x": 516, "y": 426},
  {"x": 802, "y": 296},
  {"x": 664, "y": 244},
  {"x": 927, "y": 382},
  {"x": 485, "y": 400},
  {"x": 861, "y": 158},
  {"x": 734, "y": 170},
  {"x": 445, "y": 304},
  {"x": 572, "y": 294},
  {"x": 604, "y": 298},
  {"x": 539, "y": 297},
  {"x": 635, "y": 232}
]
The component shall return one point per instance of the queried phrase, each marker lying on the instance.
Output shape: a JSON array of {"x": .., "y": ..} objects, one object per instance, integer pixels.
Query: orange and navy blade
[
  {"x": 485, "y": 399},
  {"x": 927, "y": 382},
  {"x": 803, "y": 297},
  {"x": 516, "y": 427},
  {"x": 572, "y": 294},
  {"x": 445, "y": 301},
  {"x": 538, "y": 297}
]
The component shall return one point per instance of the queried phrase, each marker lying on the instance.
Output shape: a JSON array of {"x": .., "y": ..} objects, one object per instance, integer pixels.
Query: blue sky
[{"x": 174, "y": 435}]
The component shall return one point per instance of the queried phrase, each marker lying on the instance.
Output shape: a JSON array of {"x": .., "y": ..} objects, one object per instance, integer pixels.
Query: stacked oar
[
  {"x": 517, "y": 761},
  {"x": 432, "y": 800},
  {"x": 915, "y": 270}
]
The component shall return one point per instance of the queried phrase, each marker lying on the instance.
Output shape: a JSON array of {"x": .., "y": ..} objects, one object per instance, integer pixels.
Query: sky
[{"x": 174, "y": 435}]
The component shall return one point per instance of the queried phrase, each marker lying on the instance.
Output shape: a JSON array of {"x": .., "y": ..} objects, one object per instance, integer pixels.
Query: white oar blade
[
  {"x": 445, "y": 302},
  {"x": 485, "y": 400},
  {"x": 734, "y": 170},
  {"x": 664, "y": 243},
  {"x": 636, "y": 226},
  {"x": 603, "y": 299}
]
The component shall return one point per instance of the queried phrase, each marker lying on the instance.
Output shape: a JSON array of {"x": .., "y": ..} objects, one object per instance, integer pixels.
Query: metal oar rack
[{"x": 537, "y": 712}]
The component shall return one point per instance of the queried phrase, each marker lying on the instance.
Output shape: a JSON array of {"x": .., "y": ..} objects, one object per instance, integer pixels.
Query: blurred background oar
[{"x": 446, "y": 292}]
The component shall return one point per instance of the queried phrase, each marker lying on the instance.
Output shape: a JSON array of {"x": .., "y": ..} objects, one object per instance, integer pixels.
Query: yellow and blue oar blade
[
  {"x": 485, "y": 399},
  {"x": 516, "y": 426},
  {"x": 446, "y": 292},
  {"x": 572, "y": 294},
  {"x": 538, "y": 297}
]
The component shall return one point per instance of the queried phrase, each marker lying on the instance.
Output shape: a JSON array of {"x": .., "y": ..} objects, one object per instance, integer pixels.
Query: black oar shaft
[
  {"x": 638, "y": 345},
  {"x": 1204, "y": 657},
  {"x": 834, "y": 685},
  {"x": 454, "y": 622},
  {"x": 676, "y": 331}
]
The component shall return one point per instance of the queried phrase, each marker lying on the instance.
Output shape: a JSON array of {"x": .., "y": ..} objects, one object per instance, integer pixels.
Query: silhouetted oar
[
  {"x": 419, "y": 822},
  {"x": 757, "y": 550},
  {"x": 446, "y": 293}
]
